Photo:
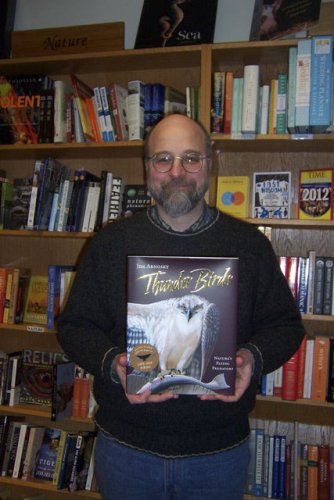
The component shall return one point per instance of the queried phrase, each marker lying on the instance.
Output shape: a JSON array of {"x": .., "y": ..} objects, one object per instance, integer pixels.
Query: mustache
[{"x": 178, "y": 182}]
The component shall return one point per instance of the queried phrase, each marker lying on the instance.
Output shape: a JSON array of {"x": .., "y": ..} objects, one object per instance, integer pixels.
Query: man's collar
[{"x": 205, "y": 219}]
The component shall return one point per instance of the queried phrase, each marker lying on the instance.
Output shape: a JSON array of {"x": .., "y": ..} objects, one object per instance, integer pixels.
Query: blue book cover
[
  {"x": 303, "y": 83},
  {"x": 292, "y": 72},
  {"x": 303, "y": 266},
  {"x": 321, "y": 102},
  {"x": 282, "y": 469},
  {"x": 148, "y": 107},
  {"x": 158, "y": 102},
  {"x": 54, "y": 282},
  {"x": 276, "y": 461},
  {"x": 259, "y": 459},
  {"x": 47, "y": 455}
]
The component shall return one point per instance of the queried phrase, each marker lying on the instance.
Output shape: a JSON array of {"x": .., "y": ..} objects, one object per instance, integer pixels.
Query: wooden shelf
[{"x": 34, "y": 487}]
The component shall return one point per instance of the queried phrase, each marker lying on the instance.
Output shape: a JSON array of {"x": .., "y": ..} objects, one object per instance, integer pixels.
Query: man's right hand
[{"x": 145, "y": 397}]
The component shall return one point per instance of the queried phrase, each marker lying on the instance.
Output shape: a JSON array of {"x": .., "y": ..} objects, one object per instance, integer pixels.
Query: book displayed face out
[{"x": 181, "y": 324}]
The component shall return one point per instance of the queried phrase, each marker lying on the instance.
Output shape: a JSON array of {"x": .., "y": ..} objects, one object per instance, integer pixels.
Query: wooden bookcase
[{"x": 179, "y": 67}]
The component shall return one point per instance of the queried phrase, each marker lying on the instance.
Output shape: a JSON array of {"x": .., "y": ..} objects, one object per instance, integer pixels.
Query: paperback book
[
  {"x": 233, "y": 194},
  {"x": 37, "y": 300},
  {"x": 165, "y": 23},
  {"x": 271, "y": 195},
  {"x": 181, "y": 324}
]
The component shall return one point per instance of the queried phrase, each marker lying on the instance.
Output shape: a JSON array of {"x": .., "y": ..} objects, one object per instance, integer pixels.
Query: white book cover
[
  {"x": 135, "y": 109},
  {"x": 264, "y": 109},
  {"x": 250, "y": 98},
  {"x": 303, "y": 86},
  {"x": 308, "y": 369},
  {"x": 62, "y": 93},
  {"x": 271, "y": 195},
  {"x": 19, "y": 450}
]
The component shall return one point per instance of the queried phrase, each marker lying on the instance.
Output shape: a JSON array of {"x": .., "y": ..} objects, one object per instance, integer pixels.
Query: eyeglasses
[{"x": 191, "y": 162}]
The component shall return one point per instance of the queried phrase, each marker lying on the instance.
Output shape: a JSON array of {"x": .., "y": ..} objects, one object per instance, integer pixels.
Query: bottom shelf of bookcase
[{"x": 20, "y": 489}]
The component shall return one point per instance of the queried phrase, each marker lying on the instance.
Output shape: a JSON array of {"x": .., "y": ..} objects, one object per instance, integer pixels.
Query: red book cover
[
  {"x": 84, "y": 395},
  {"x": 290, "y": 378},
  {"x": 181, "y": 298},
  {"x": 228, "y": 102},
  {"x": 320, "y": 368},
  {"x": 301, "y": 369},
  {"x": 323, "y": 472}
]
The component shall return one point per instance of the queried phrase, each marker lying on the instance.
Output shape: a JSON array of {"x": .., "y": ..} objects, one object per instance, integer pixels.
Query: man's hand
[
  {"x": 244, "y": 370},
  {"x": 145, "y": 397}
]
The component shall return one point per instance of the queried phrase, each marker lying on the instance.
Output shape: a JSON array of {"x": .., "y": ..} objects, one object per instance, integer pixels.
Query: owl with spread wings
[{"x": 183, "y": 330}]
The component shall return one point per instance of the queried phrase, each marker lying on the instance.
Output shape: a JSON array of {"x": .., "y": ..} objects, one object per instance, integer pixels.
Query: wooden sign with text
[{"x": 68, "y": 40}]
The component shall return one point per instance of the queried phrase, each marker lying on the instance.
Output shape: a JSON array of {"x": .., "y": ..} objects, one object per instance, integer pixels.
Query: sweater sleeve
[{"x": 88, "y": 329}]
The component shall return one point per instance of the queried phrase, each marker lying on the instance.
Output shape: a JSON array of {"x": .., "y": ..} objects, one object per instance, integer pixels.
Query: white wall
[{"x": 232, "y": 23}]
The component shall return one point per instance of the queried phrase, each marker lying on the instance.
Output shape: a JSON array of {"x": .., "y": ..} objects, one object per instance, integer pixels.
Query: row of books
[
  {"x": 308, "y": 374},
  {"x": 36, "y": 109},
  {"x": 32, "y": 298},
  {"x": 57, "y": 199},
  {"x": 311, "y": 282},
  {"x": 63, "y": 458},
  {"x": 299, "y": 101},
  {"x": 47, "y": 379},
  {"x": 272, "y": 194},
  {"x": 290, "y": 460}
]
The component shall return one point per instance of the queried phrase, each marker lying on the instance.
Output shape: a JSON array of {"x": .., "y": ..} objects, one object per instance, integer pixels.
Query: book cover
[
  {"x": 135, "y": 109},
  {"x": 37, "y": 300},
  {"x": 116, "y": 198},
  {"x": 83, "y": 94},
  {"x": 165, "y": 23},
  {"x": 47, "y": 455},
  {"x": 274, "y": 19},
  {"x": 250, "y": 98},
  {"x": 54, "y": 283},
  {"x": 320, "y": 368},
  {"x": 315, "y": 198},
  {"x": 62, "y": 390},
  {"x": 193, "y": 299},
  {"x": 271, "y": 195},
  {"x": 34, "y": 443},
  {"x": 303, "y": 87},
  {"x": 135, "y": 197},
  {"x": 118, "y": 99},
  {"x": 290, "y": 377},
  {"x": 37, "y": 376},
  {"x": 330, "y": 375},
  {"x": 328, "y": 286},
  {"x": 233, "y": 195},
  {"x": 175, "y": 101},
  {"x": 321, "y": 100},
  {"x": 18, "y": 215}
]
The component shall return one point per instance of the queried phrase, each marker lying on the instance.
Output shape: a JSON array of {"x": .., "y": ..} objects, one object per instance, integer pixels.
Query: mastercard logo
[{"x": 229, "y": 198}]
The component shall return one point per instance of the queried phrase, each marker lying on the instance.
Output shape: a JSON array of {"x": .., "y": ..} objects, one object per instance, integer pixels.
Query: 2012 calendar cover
[{"x": 181, "y": 324}]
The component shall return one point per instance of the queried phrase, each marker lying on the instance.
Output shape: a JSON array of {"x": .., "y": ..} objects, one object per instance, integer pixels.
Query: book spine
[
  {"x": 228, "y": 102},
  {"x": 323, "y": 472},
  {"x": 328, "y": 286},
  {"x": 303, "y": 83},
  {"x": 107, "y": 114},
  {"x": 259, "y": 459},
  {"x": 320, "y": 368},
  {"x": 100, "y": 113},
  {"x": 290, "y": 378},
  {"x": 265, "y": 99},
  {"x": 310, "y": 285},
  {"x": 312, "y": 471},
  {"x": 301, "y": 368},
  {"x": 321, "y": 92},
  {"x": 273, "y": 106},
  {"x": 292, "y": 89},
  {"x": 303, "y": 472},
  {"x": 319, "y": 278},
  {"x": 115, "y": 204},
  {"x": 308, "y": 369},
  {"x": 281, "y": 103},
  {"x": 135, "y": 109},
  {"x": 250, "y": 98},
  {"x": 218, "y": 93},
  {"x": 330, "y": 377},
  {"x": 158, "y": 99}
]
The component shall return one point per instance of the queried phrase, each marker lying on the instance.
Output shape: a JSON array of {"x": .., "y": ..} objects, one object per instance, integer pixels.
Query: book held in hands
[{"x": 181, "y": 324}]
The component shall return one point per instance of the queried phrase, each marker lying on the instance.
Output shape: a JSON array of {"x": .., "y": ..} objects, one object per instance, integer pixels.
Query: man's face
[{"x": 177, "y": 191}]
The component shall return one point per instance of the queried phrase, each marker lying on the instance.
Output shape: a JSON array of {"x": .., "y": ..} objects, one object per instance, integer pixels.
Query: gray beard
[{"x": 177, "y": 203}]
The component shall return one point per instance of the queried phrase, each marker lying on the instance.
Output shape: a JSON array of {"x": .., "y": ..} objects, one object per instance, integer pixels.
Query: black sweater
[{"x": 92, "y": 331}]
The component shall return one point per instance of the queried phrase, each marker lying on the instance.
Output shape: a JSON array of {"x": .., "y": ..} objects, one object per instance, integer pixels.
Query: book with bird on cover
[{"x": 181, "y": 324}]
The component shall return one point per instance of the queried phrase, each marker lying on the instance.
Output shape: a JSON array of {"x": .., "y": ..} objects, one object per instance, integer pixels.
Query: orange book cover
[
  {"x": 312, "y": 471},
  {"x": 228, "y": 102},
  {"x": 83, "y": 96},
  {"x": 272, "y": 106},
  {"x": 84, "y": 395},
  {"x": 320, "y": 368},
  {"x": 8, "y": 294},
  {"x": 290, "y": 377},
  {"x": 77, "y": 391}
]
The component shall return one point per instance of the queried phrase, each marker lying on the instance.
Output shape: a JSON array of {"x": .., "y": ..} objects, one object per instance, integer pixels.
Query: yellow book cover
[
  {"x": 37, "y": 300},
  {"x": 316, "y": 194},
  {"x": 233, "y": 195}
]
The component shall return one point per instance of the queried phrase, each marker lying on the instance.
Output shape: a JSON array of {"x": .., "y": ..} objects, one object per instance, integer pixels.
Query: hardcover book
[
  {"x": 166, "y": 23},
  {"x": 271, "y": 195},
  {"x": 47, "y": 455},
  {"x": 37, "y": 300},
  {"x": 181, "y": 324},
  {"x": 316, "y": 194},
  {"x": 37, "y": 376}
]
